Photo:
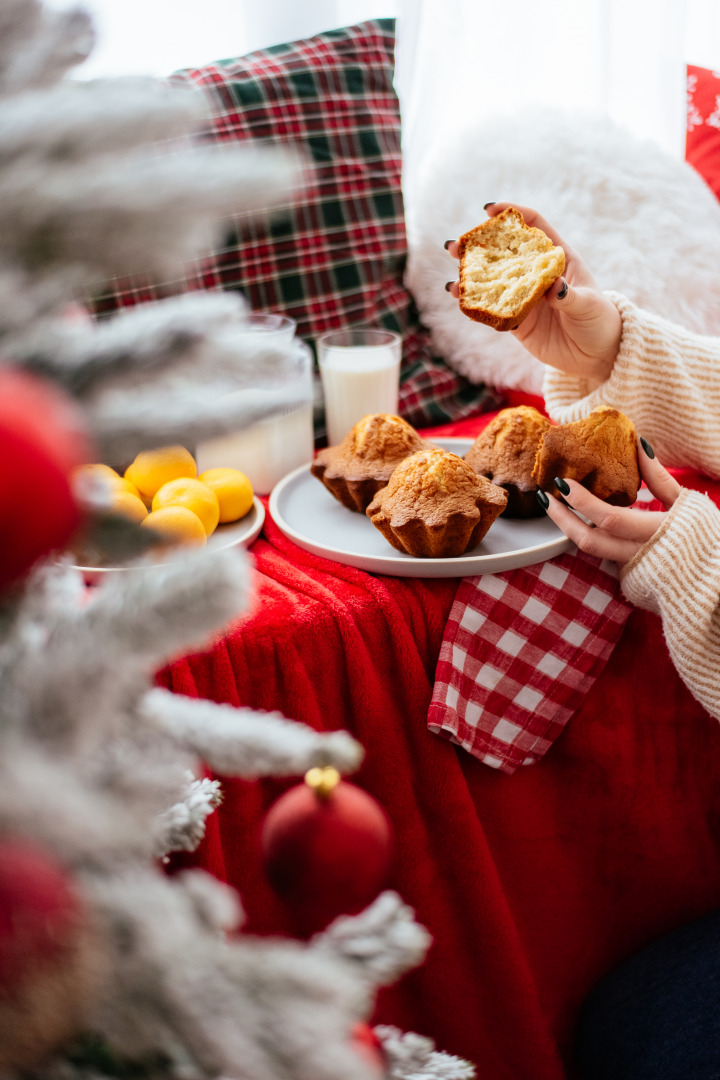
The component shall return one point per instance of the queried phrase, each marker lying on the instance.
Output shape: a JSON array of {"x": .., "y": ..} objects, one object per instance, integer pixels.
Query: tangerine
[
  {"x": 195, "y": 496},
  {"x": 233, "y": 489},
  {"x": 178, "y": 524},
  {"x": 152, "y": 469},
  {"x": 129, "y": 505}
]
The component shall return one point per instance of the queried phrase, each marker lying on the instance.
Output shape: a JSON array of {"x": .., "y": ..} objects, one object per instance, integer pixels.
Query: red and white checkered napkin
[{"x": 521, "y": 649}]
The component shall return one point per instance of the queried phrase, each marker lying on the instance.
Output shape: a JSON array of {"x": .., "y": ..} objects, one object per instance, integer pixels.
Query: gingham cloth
[{"x": 520, "y": 652}]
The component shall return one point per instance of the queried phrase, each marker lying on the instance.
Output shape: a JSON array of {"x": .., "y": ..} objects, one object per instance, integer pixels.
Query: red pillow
[{"x": 702, "y": 136}]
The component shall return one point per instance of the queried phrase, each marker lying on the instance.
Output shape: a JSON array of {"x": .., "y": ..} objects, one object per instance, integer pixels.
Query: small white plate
[
  {"x": 234, "y": 534},
  {"x": 306, "y": 512}
]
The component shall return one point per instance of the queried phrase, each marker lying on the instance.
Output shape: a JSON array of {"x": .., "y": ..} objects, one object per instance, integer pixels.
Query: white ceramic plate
[
  {"x": 234, "y": 534},
  {"x": 308, "y": 514}
]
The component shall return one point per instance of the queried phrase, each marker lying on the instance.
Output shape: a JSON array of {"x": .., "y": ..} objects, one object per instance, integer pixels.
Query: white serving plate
[
  {"x": 234, "y": 534},
  {"x": 308, "y": 514}
]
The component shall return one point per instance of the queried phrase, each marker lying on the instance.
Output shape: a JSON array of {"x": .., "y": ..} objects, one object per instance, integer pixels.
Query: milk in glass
[{"x": 360, "y": 371}]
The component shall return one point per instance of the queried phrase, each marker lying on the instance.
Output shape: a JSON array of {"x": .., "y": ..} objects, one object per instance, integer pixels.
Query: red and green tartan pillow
[{"x": 336, "y": 258}]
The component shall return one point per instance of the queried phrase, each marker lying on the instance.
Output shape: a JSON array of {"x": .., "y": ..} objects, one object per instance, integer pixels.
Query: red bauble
[
  {"x": 326, "y": 846},
  {"x": 368, "y": 1046},
  {"x": 46, "y": 955},
  {"x": 42, "y": 441}
]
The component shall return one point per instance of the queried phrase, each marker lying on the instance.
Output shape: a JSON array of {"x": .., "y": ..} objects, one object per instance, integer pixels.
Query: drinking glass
[{"x": 360, "y": 373}]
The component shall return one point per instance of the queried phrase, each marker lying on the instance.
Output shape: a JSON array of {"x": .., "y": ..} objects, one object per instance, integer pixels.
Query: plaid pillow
[{"x": 337, "y": 257}]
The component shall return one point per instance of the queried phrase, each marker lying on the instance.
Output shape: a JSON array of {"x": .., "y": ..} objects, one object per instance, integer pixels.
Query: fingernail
[
  {"x": 448, "y": 285},
  {"x": 563, "y": 290},
  {"x": 542, "y": 499},
  {"x": 562, "y": 487},
  {"x": 515, "y": 326},
  {"x": 488, "y": 204},
  {"x": 447, "y": 244},
  {"x": 647, "y": 448}
]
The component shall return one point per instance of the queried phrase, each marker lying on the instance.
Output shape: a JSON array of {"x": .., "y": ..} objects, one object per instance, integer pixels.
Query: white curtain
[
  {"x": 155, "y": 37},
  {"x": 624, "y": 58}
]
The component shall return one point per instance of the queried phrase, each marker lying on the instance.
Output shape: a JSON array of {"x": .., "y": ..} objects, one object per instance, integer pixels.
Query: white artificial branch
[
  {"x": 130, "y": 195},
  {"x": 98, "y": 117},
  {"x": 61, "y": 688},
  {"x": 197, "y": 329},
  {"x": 142, "y": 213},
  {"x": 182, "y": 826},
  {"x": 179, "y": 410},
  {"x": 382, "y": 942},
  {"x": 98, "y": 179},
  {"x": 413, "y": 1057},
  {"x": 217, "y": 905},
  {"x": 39, "y": 45},
  {"x": 258, "y": 1008},
  {"x": 246, "y": 743}
]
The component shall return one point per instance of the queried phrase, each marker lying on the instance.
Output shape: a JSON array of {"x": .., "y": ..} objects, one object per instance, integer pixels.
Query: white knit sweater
[{"x": 667, "y": 380}]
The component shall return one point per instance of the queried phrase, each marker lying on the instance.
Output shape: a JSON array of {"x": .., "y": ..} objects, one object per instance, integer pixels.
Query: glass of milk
[
  {"x": 360, "y": 373},
  {"x": 269, "y": 449}
]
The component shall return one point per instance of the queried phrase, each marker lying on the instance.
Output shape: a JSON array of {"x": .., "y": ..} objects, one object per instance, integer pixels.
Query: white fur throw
[{"x": 644, "y": 222}]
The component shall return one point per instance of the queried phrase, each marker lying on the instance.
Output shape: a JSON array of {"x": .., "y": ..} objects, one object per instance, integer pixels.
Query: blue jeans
[{"x": 657, "y": 1016}]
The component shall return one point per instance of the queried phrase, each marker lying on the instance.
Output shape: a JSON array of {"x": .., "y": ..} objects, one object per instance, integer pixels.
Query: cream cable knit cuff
[
  {"x": 677, "y": 575},
  {"x": 665, "y": 378}
]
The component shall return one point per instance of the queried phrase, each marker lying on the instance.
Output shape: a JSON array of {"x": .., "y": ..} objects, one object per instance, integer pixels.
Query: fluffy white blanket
[{"x": 644, "y": 222}]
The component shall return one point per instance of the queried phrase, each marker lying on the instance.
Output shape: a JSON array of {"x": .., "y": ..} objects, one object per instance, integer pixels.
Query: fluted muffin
[
  {"x": 355, "y": 469},
  {"x": 505, "y": 453},
  {"x": 599, "y": 451},
  {"x": 436, "y": 506}
]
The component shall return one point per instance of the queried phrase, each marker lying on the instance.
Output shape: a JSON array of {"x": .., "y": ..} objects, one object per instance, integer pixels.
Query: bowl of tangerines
[{"x": 162, "y": 490}]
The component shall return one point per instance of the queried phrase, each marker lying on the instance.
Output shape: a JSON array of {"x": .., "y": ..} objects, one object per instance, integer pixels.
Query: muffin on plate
[
  {"x": 355, "y": 469},
  {"x": 599, "y": 451},
  {"x": 436, "y": 506},
  {"x": 505, "y": 453}
]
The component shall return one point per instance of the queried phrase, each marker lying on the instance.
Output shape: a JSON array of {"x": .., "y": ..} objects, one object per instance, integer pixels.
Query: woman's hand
[
  {"x": 616, "y": 533},
  {"x": 576, "y": 329}
]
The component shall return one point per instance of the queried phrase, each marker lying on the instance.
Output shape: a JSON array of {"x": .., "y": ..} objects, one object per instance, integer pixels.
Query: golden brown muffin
[
  {"x": 600, "y": 452},
  {"x": 505, "y": 453},
  {"x": 436, "y": 506},
  {"x": 364, "y": 461}
]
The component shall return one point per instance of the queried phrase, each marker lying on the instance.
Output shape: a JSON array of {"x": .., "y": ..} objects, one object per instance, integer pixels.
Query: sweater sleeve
[
  {"x": 677, "y": 575},
  {"x": 665, "y": 378}
]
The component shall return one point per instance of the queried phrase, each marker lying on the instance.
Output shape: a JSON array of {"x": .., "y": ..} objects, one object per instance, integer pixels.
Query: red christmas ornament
[
  {"x": 47, "y": 969},
  {"x": 326, "y": 846},
  {"x": 368, "y": 1045},
  {"x": 42, "y": 441}
]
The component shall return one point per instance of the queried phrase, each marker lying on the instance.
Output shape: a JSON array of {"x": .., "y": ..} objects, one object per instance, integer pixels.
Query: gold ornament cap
[{"x": 323, "y": 780}]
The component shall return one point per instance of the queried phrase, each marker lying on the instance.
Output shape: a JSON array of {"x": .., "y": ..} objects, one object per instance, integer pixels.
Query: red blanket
[{"x": 532, "y": 885}]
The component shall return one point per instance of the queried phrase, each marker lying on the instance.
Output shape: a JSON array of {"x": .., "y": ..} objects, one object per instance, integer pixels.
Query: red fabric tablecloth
[{"x": 532, "y": 885}]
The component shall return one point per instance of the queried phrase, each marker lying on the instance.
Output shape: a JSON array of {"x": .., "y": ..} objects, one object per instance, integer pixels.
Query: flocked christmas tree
[{"x": 108, "y": 966}]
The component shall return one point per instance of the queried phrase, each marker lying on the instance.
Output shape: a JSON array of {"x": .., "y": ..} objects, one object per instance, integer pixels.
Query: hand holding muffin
[{"x": 575, "y": 328}]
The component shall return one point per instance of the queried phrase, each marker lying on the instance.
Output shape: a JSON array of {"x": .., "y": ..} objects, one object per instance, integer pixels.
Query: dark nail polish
[
  {"x": 515, "y": 326},
  {"x": 542, "y": 499},
  {"x": 564, "y": 290},
  {"x": 488, "y": 204},
  {"x": 647, "y": 448},
  {"x": 448, "y": 285},
  {"x": 562, "y": 487},
  {"x": 447, "y": 243}
]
